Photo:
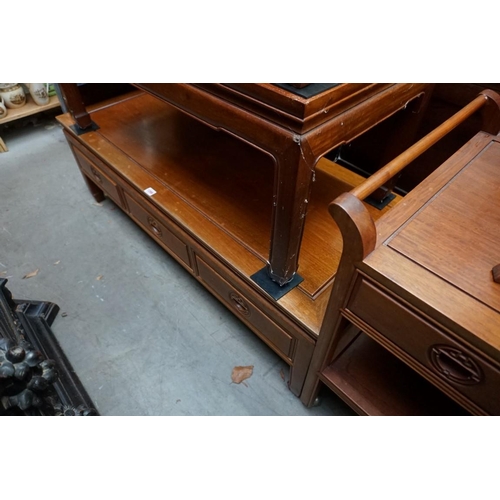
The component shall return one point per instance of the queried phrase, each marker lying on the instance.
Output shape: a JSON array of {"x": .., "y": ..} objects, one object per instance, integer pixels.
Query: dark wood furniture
[
  {"x": 198, "y": 178},
  {"x": 419, "y": 286},
  {"x": 295, "y": 132},
  {"x": 221, "y": 175}
]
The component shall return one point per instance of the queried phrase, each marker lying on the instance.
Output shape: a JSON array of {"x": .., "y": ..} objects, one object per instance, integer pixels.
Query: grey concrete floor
[{"x": 146, "y": 338}]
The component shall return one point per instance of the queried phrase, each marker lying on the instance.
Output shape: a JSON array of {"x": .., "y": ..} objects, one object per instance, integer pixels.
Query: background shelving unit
[{"x": 30, "y": 108}]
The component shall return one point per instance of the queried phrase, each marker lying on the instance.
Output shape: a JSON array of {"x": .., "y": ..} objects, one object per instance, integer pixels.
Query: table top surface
[
  {"x": 456, "y": 235},
  {"x": 441, "y": 256}
]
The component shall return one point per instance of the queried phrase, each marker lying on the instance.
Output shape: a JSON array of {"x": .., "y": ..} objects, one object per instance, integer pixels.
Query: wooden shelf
[
  {"x": 375, "y": 382},
  {"x": 30, "y": 108}
]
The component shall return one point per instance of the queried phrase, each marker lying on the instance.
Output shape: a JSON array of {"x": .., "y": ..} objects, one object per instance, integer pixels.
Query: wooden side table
[{"x": 425, "y": 296}]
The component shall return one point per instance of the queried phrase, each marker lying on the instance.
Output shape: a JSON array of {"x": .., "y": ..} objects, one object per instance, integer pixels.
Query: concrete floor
[{"x": 146, "y": 338}]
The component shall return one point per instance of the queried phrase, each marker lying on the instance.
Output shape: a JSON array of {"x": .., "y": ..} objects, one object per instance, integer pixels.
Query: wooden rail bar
[{"x": 379, "y": 178}]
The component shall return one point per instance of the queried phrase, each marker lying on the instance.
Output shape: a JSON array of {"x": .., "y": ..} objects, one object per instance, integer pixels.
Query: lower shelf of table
[{"x": 374, "y": 382}]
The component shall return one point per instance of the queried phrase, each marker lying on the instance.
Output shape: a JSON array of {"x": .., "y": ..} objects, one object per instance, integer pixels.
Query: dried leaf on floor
[
  {"x": 282, "y": 374},
  {"x": 241, "y": 373},
  {"x": 55, "y": 263},
  {"x": 30, "y": 275},
  {"x": 99, "y": 278},
  {"x": 64, "y": 314}
]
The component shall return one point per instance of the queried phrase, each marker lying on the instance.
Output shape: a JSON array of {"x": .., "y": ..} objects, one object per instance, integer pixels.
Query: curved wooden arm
[
  {"x": 359, "y": 236},
  {"x": 379, "y": 178},
  {"x": 356, "y": 226}
]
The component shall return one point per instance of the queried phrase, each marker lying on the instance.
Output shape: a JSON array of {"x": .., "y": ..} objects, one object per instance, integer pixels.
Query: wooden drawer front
[
  {"x": 455, "y": 364},
  {"x": 158, "y": 230},
  {"x": 96, "y": 174},
  {"x": 263, "y": 326}
]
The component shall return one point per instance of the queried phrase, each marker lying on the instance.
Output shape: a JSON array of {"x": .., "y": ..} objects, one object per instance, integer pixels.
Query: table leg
[
  {"x": 74, "y": 102},
  {"x": 294, "y": 174},
  {"x": 302, "y": 360}
]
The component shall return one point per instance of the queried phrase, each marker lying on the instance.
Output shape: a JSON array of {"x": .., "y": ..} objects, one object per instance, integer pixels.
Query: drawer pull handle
[
  {"x": 155, "y": 227},
  {"x": 239, "y": 304},
  {"x": 455, "y": 365},
  {"x": 96, "y": 175},
  {"x": 496, "y": 273}
]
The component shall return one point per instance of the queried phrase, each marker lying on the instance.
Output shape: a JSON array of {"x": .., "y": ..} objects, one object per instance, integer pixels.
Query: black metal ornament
[{"x": 36, "y": 377}]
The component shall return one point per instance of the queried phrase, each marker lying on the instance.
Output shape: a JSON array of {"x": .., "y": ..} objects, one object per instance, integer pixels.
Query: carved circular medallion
[{"x": 455, "y": 365}]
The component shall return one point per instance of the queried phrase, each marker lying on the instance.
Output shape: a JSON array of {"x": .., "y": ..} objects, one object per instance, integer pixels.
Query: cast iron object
[{"x": 36, "y": 377}]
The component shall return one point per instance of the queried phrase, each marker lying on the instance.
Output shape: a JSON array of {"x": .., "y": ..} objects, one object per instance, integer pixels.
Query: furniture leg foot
[
  {"x": 79, "y": 131},
  {"x": 264, "y": 280}
]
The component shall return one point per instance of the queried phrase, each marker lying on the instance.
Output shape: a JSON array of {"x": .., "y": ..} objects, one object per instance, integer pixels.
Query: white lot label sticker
[{"x": 150, "y": 191}]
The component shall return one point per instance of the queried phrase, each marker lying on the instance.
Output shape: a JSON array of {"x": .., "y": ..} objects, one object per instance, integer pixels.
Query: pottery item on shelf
[
  {"x": 13, "y": 95},
  {"x": 39, "y": 92},
  {"x": 3, "y": 109}
]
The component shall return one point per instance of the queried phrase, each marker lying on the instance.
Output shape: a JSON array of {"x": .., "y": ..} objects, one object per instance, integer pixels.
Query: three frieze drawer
[
  {"x": 96, "y": 174},
  {"x": 462, "y": 370},
  {"x": 264, "y": 327}
]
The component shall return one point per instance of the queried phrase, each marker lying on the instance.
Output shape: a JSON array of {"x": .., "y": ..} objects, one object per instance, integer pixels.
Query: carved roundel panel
[{"x": 455, "y": 365}]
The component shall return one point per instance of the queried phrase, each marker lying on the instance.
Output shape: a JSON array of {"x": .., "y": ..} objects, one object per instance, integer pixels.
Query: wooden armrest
[{"x": 379, "y": 178}]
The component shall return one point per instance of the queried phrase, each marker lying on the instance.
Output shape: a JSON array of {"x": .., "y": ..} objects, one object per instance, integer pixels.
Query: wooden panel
[
  {"x": 288, "y": 109},
  {"x": 455, "y": 364},
  {"x": 465, "y": 216},
  {"x": 156, "y": 226},
  {"x": 96, "y": 174},
  {"x": 240, "y": 305}
]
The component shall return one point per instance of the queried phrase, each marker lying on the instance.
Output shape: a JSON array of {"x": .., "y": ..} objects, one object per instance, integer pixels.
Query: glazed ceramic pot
[
  {"x": 13, "y": 95},
  {"x": 3, "y": 109},
  {"x": 39, "y": 92}
]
